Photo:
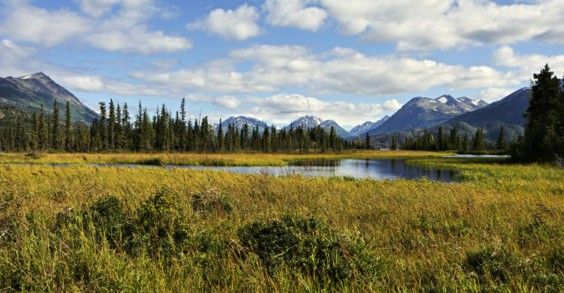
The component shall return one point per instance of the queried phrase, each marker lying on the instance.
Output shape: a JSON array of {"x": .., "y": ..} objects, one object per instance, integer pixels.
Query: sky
[{"x": 276, "y": 60}]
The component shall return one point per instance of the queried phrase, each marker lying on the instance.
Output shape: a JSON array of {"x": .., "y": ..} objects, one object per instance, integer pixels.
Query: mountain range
[
  {"x": 313, "y": 121},
  {"x": 367, "y": 126},
  {"x": 422, "y": 112},
  {"x": 240, "y": 121},
  {"x": 507, "y": 112},
  {"x": 30, "y": 92}
]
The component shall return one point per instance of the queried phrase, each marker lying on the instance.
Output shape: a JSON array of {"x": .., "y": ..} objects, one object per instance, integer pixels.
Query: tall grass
[
  {"x": 205, "y": 159},
  {"x": 97, "y": 229}
]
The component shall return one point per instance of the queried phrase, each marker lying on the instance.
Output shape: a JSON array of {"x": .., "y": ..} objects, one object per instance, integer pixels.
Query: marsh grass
[{"x": 84, "y": 228}]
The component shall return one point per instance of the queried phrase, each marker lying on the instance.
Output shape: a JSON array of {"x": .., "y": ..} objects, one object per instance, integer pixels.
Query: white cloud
[
  {"x": 439, "y": 24},
  {"x": 12, "y": 57},
  {"x": 280, "y": 109},
  {"x": 139, "y": 40},
  {"x": 123, "y": 30},
  {"x": 29, "y": 23},
  {"x": 294, "y": 13},
  {"x": 493, "y": 94},
  {"x": 341, "y": 71},
  {"x": 98, "y": 8},
  {"x": 239, "y": 24},
  {"x": 528, "y": 64},
  {"x": 229, "y": 102}
]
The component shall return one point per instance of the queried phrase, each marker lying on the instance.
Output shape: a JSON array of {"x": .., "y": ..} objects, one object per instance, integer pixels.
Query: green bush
[
  {"x": 492, "y": 264},
  {"x": 159, "y": 227},
  {"x": 310, "y": 247}
]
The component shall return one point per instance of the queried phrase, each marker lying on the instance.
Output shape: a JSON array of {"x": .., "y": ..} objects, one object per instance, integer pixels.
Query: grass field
[{"x": 83, "y": 228}]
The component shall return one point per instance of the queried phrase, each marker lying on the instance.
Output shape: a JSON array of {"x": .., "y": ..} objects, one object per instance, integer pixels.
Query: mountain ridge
[{"x": 30, "y": 92}]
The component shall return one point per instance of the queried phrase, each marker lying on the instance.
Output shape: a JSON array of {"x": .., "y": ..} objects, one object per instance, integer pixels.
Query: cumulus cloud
[
  {"x": 280, "y": 108},
  {"x": 239, "y": 24},
  {"x": 25, "y": 22},
  {"x": 139, "y": 40},
  {"x": 339, "y": 71},
  {"x": 294, "y": 13},
  {"x": 125, "y": 29},
  {"x": 439, "y": 24},
  {"x": 527, "y": 64}
]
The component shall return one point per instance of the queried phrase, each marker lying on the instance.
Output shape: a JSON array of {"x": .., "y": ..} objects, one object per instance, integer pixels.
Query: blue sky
[{"x": 276, "y": 60}]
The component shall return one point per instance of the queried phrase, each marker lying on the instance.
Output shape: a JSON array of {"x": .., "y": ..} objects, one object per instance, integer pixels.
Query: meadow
[{"x": 86, "y": 228}]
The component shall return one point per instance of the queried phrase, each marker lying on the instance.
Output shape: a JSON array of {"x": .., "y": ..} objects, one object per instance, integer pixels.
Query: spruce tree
[
  {"x": 55, "y": 131},
  {"x": 541, "y": 140},
  {"x": 500, "y": 143},
  {"x": 68, "y": 130},
  {"x": 220, "y": 138},
  {"x": 112, "y": 126}
]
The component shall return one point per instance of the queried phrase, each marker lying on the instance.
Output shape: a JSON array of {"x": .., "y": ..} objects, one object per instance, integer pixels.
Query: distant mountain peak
[
  {"x": 310, "y": 121},
  {"x": 367, "y": 126},
  {"x": 240, "y": 121},
  {"x": 38, "y": 75},
  {"x": 423, "y": 112},
  {"x": 29, "y": 92}
]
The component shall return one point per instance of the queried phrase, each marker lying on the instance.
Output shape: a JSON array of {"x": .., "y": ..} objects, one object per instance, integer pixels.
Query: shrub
[
  {"x": 310, "y": 247},
  {"x": 109, "y": 219},
  {"x": 211, "y": 202},
  {"x": 492, "y": 264},
  {"x": 158, "y": 228}
]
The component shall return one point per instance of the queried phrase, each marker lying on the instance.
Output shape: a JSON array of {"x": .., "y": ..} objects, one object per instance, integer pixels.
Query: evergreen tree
[
  {"x": 68, "y": 127},
  {"x": 500, "y": 143},
  {"x": 479, "y": 142},
  {"x": 55, "y": 131},
  {"x": 102, "y": 128},
  {"x": 112, "y": 126},
  {"x": 394, "y": 145},
  {"x": 544, "y": 119},
  {"x": 220, "y": 138}
]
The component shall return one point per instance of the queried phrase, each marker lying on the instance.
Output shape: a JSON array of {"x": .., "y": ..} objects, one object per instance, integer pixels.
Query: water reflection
[{"x": 381, "y": 169}]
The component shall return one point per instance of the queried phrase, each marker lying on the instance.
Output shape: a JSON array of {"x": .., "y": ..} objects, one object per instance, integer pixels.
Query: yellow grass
[{"x": 423, "y": 230}]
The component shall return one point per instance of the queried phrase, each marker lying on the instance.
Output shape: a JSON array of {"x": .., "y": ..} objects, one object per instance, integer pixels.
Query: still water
[{"x": 380, "y": 169}]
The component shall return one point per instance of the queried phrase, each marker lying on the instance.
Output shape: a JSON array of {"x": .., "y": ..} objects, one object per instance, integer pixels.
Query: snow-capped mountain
[
  {"x": 365, "y": 127},
  {"x": 240, "y": 121},
  {"x": 422, "y": 112},
  {"x": 313, "y": 121},
  {"x": 28, "y": 93},
  {"x": 341, "y": 132},
  {"x": 305, "y": 122}
]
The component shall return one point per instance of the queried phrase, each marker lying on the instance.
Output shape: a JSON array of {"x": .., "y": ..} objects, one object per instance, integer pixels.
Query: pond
[{"x": 376, "y": 169}]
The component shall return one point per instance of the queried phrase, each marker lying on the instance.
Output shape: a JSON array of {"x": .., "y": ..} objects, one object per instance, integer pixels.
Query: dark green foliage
[
  {"x": 497, "y": 267},
  {"x": 113, "y": 131},
  {"x": 556, "y": 260},
  {"x": 545, "y": 123},
  {"x": 159, "y": 227},
  {"x": 492, "y": 264},
  {"x": 309, "y": 246},
  {"x": 109, "y": 219},
  {"x": 501, "y": 140}
]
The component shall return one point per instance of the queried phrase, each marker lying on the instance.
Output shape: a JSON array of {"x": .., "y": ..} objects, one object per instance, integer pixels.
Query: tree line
[
  {"x": 542, "y": 141},
  {"x": 453, "y": 140},
  {"x": 115, "y": 130}
]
